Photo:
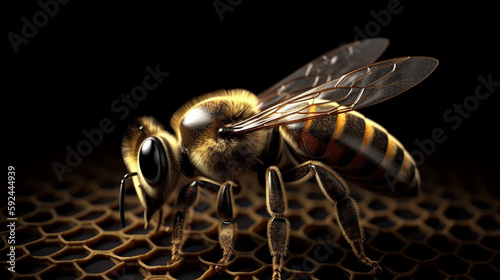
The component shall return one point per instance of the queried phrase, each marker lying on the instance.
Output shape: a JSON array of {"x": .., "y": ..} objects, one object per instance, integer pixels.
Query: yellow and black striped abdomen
[{"x": 357, "y": 148}]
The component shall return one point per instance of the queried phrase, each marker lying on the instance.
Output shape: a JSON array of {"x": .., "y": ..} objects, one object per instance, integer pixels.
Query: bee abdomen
[{"x": 357, "y": 148}]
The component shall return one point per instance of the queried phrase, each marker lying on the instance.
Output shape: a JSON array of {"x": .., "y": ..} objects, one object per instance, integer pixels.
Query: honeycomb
[{"x": 71, "y": 230}]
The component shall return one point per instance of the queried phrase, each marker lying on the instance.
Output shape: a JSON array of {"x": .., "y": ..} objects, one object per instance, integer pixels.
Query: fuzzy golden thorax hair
[{"x": 198, "y": 123}]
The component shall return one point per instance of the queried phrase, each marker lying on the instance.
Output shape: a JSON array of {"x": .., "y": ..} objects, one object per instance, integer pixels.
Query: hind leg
[{"x": 337, "y": 191}]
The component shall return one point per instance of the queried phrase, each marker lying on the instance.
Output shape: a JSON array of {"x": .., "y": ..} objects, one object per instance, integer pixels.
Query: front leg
[
  {"x": 228, "y": 228},
  {"x": 278, "y": 228},
  {"x": 186, "y": 199}
]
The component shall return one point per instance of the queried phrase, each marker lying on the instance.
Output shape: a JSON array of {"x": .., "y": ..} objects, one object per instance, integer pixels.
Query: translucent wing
[
  {"x": 360, "y": 88},
  {"x": 323, "y": 69}
]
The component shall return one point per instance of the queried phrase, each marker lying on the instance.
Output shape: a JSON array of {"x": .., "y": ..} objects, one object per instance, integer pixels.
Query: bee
[{"x": 303, "y": 127}]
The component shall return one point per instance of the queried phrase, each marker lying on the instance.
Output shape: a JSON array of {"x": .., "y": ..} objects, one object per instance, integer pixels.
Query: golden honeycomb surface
[{"x": 71, "y": 230}]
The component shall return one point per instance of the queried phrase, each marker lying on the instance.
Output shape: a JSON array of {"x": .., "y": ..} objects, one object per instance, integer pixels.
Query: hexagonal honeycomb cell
[{"x": 72, "y": 230}]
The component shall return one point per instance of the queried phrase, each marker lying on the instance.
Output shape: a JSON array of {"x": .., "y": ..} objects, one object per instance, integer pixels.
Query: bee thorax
[
  {"x": 227, "y": 159},
  {"x": 213, "y": 150}
]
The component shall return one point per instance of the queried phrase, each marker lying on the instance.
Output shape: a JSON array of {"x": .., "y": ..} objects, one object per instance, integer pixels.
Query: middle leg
[{"x": 278, "y": 227}]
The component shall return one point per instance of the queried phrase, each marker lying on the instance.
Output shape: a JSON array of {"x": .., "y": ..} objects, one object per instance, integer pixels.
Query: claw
[
  {"x": 176, "y": 256},
  {"x": 221, "y": 265},
  {"x": 173, "y": 260},
  {"x": 376, "y": 267},
  {"x": 219, "y": 268}
]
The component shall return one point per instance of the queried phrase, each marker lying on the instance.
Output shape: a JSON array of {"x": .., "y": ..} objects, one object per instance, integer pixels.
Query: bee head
[{"x": 151, "y": 155}]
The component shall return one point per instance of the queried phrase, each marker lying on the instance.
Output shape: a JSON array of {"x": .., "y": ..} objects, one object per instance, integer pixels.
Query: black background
[{"x": 66, "y": 77}]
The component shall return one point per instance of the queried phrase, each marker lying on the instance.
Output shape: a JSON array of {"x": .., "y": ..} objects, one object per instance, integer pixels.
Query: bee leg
[
  {"x": 278, "y": 228},
  {"x": 160, "y": 219},
  {"x": 337, "y": 191},
  {"x": 228, "y": 228},
  {"x": 187, "y": 197},
  {"x": 270, "y": 156}
]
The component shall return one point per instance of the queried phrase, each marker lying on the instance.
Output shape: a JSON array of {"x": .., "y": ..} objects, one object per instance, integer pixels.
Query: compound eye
[{"x": 150, "y": 160}]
